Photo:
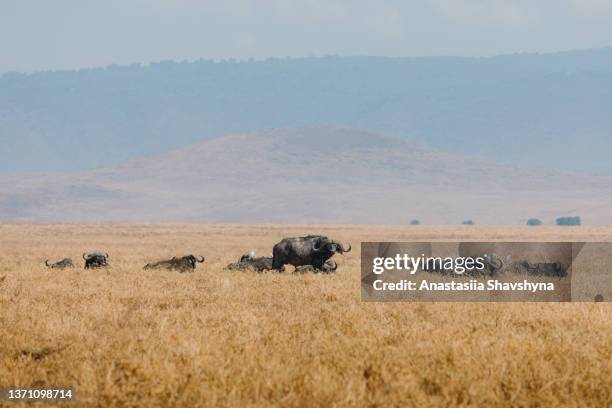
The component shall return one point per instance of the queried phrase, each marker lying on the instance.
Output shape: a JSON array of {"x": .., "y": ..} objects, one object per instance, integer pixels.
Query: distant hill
[
  {"x": 313, "y": 175},
  {"x": 549, "y": 110}
]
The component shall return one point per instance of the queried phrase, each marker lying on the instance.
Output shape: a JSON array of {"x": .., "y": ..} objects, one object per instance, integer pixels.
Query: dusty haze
[{"x": 314, "y": 175}]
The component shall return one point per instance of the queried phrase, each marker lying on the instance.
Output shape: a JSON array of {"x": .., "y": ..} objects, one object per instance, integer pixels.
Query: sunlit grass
[{"x": 128, "y": 337}]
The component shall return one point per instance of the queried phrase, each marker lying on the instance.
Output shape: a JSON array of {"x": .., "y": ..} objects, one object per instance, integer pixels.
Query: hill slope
[
  {"x": 311, "y": 175},
  {"x": 551, "y": 110}
]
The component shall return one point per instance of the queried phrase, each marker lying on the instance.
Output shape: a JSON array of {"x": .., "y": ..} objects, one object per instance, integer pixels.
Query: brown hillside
[{"x": 307, "y": 175}]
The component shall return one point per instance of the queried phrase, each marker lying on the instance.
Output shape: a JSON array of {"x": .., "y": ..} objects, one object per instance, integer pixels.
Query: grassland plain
[{"x": 132, "y": 338}]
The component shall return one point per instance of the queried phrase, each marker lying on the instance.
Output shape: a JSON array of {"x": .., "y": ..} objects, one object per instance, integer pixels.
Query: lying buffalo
[
  {"x": 250, "y": 262},
  {"x": 63, "y": 264},
  {"x": 548, "y": 269},
  {"x": 185, "y": 263},
  {"x": 264, "y": 263},
  {"x": 95, "y": 260},
  {"x": 312, "y": 250},
  {"x": 552, "y": 259},
  {"x": 329, "y": 266}
]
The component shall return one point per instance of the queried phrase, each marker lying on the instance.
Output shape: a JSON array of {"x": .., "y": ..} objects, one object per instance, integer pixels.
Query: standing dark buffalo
[
  {"x": 95, "y": 260},
  {"x": 64, "y": 263},
  {"x": 312, "y": 250},
  {"x": 185, "y": 263}
]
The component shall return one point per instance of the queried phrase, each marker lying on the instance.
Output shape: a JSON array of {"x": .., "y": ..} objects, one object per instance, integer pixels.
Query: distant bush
[
  {"x": 468, "y": 222},
  {"x": 565, "y": 221},
  {"x": 415, "y": 222},
  {"x": 534, "y": 222}
]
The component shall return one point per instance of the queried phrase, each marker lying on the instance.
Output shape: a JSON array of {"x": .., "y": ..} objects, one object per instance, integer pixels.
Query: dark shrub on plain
[
  {"x": 534, "y": 222},
  {"x": 568, "y": 221}
]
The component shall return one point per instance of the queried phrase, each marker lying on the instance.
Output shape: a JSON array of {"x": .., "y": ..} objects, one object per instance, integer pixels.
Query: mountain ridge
[{"x": 545, "y": 109}]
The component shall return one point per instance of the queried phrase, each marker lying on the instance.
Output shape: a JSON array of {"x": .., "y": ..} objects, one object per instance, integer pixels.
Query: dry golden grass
[{"x": 127, "y": 337}]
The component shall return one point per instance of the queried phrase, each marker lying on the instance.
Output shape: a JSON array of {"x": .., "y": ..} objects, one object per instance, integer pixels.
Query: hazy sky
[{"x": 51, "y": 34}]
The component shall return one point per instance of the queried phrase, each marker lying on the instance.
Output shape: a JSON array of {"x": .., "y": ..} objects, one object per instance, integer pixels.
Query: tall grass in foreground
[{"x": 128, "y": 337}]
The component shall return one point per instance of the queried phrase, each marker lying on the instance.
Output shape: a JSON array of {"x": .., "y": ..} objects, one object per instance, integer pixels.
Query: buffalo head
[{"x": 330, "y": 246}]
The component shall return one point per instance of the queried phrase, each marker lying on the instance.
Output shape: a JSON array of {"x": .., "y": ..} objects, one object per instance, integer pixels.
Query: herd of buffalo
[{"x": 311, "y": 253}]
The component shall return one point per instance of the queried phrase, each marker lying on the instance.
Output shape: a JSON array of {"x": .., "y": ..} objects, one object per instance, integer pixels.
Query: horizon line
[{"x": 246, "y": 60}]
